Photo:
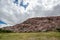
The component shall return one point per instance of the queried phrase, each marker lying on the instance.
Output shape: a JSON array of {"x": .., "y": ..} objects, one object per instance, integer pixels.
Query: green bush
[
  {"x": 58, "y": 29},
  {"x": 5, "y": 31}
]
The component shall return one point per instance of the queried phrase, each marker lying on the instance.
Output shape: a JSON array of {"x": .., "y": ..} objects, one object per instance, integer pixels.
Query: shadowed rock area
[{"x": 37, "y": 24}]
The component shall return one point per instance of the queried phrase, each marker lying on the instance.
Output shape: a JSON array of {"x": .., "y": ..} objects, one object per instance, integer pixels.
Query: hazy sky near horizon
[{"x": 16, "y": 11}]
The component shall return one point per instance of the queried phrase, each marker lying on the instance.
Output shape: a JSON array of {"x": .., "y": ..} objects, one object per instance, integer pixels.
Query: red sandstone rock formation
[{"x": 38, "y": 24}]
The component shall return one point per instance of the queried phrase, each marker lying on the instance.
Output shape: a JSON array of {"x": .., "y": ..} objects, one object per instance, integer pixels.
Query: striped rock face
[{"x": 16, "y": 11}]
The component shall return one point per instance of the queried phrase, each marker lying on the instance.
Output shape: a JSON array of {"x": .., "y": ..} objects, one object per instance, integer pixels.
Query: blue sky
[
  {"x": 22, "y": 3},
  {"x": 1, "y": 22}
]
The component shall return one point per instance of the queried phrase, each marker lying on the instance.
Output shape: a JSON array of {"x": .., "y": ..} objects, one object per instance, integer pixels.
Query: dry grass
[{"x": 30, "y": 36}]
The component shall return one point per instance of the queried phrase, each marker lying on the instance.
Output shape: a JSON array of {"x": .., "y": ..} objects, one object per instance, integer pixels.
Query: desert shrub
[
  {"x": 58, "y": 29},
  {"x": 5, "y": 31}
]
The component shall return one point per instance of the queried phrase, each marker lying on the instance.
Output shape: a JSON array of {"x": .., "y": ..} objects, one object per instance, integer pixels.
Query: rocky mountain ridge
[{"x": 37, "y": 24}]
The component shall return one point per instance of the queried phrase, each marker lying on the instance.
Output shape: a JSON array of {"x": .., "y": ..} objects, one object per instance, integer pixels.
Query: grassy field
[{"x": 30, "y": 36}]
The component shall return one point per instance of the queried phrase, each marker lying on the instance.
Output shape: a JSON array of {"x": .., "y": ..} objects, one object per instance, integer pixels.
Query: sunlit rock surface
[{"x": 38, "y": 24}]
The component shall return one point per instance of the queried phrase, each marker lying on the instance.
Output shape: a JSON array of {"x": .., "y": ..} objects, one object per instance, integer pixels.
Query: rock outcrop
[{"x": 38, "y": 24}]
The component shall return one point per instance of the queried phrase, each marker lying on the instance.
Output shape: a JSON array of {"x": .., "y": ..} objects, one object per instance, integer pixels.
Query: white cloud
[{"x": 12, "y": 14}]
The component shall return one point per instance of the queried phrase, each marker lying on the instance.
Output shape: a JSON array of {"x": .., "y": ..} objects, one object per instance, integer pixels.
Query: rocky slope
[{"x": 37, "y": 24}]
